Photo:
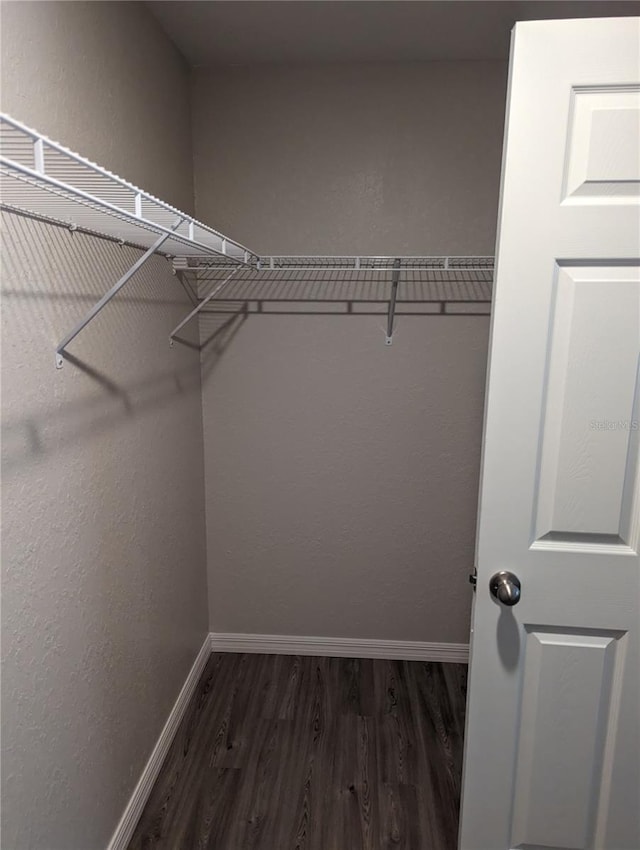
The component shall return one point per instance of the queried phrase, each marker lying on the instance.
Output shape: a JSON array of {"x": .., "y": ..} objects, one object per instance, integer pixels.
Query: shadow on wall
[
  {"x": 217, "y": 330},
  {"x": 103, "y": 586},
  {"x": 336, "y": 293},
  {"x": 120, "y": 367}
]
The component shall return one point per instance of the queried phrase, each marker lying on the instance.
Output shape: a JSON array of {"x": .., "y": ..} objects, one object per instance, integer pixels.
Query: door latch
[{"x": 473, "y": 579}]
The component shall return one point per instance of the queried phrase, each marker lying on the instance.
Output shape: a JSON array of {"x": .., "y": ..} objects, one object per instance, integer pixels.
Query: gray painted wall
[
  {"x": 109, "y": 84},
  {"x": 103, "y": 550},
  {"x": 342, "y": 475}
]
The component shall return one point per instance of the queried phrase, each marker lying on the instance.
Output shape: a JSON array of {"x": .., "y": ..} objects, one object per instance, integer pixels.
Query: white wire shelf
[
  {"x": 326, "y": 278},
  {"x": 446, "y": 281},
  {"x": 374, "y": 264},
  {"x": 41, "y": 178},
  {"x": 461, "y": 286},
  {"x": 350, "y": 263}
]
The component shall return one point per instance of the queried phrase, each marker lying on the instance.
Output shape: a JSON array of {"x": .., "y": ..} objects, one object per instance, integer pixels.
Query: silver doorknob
[{"x": 505, "y": 586}]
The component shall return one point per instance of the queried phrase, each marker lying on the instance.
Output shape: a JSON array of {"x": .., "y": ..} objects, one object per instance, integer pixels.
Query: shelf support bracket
[
  {"x": 93, "y": 312},
  {"x": 202, "y": 304},
  {"x": 392, "y": 301}
]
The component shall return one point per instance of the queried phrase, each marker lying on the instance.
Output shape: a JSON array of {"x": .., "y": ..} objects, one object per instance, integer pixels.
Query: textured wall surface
[
  {"x": 103, "y": 550},
  {"x": 355, "y": 159},
  {"x": 108, "y": 84},
  {"x": 341, "y": 474}
]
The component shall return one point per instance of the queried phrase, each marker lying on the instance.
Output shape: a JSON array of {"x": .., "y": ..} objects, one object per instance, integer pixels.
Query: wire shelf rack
[
  {"x": 457, "y": 285},
  {"x": 40, "y": 177},
  {"x": 351, "y": 263},
  {"x": 450, "y": 279}
]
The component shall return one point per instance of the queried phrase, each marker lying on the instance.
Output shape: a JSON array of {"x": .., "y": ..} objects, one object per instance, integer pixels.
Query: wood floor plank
[{"x": 310, "y": 753}]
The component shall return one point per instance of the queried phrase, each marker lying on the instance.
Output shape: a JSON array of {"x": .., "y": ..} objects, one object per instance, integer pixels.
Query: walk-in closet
[{"x": 248, "y": 275}]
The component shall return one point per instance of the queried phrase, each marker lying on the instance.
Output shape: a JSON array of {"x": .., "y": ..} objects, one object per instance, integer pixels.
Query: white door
[{"x": 552, "y": 753}]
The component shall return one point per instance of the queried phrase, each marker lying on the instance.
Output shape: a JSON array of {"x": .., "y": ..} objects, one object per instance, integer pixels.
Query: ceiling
[{"x": 245, "y": 32}]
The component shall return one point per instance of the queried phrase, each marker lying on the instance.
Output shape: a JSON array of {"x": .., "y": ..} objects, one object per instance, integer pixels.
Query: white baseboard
[
  {"x": 129, "y": 820},
  {"x": 400, "y": 650}
]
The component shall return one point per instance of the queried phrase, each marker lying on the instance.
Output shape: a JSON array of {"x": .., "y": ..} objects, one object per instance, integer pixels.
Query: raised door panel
[
  {"x": 570, "y": 699},
  {"x": 603, "y": 150},
  {"x": 587, "y": 483}
]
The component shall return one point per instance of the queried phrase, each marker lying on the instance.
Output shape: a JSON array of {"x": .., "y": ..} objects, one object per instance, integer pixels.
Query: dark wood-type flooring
[{"x": 279, "y": 752}]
